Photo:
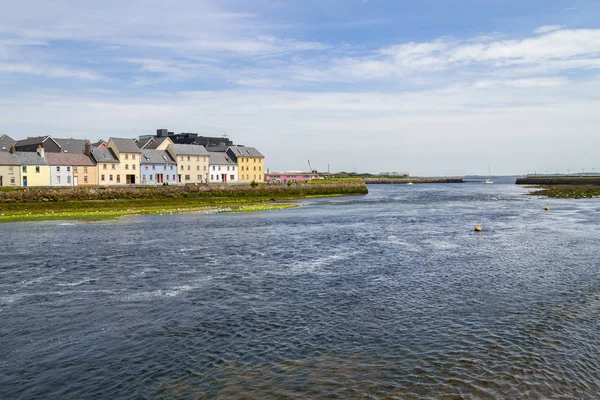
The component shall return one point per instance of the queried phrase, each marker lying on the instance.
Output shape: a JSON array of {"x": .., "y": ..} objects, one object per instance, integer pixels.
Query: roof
[
  {"x": 155, "y": 142},
  {"x": 99, "y": 143},
  {"x": 217, "y": 158},
  {"x": 71, "y": 145},
  {"x": 68, "y": 159},
  {"x": 104, "y": 154},
  {"x": 126, "y": 145},
  {"x": 142, "y": 142},
  {"x": 7, "y": 158},
  {"x": 156, "y": 157},
  {"x": 30, "y": 158},
  {"x": 33, "y": 140},
  {"x": 189, "y": 149},
  {"x": 5, "y": 142},
  {"x": 242, "y": 151}
]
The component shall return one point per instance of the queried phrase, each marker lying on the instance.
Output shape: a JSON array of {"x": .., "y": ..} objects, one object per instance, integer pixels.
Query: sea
[{"x": 390, "y": 295}]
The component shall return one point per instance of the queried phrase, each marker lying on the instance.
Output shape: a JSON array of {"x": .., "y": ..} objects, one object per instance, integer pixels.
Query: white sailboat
[{"x": 489, "y": 180}]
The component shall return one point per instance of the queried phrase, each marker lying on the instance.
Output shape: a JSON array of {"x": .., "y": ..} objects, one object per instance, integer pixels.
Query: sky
[{"x": 428, "y": 87}]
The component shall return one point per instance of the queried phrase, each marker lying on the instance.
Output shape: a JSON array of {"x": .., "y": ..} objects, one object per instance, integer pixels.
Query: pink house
[{"x": 294, "y": 176}]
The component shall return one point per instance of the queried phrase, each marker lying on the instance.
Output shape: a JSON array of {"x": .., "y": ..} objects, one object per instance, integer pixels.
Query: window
[
  {"x": 181, "y": 158},
  {"x": 85, "y": 170},
  {"x": 254, "y": 176},
  {"x": 58, "y": 179},
  {"x": 255, "y": 167},
  {"x": 171, "y": 168},
  {"x": 197, "y": 158},
  {"x": 133, "y": 156},
  {"x": 187, "y": 177},
  {"x": 113, "y": 166},
  {"x": 233, "y": 168},
  {"x": 126, "y": 156},
  {"x": 219, "y": 167},
  {"x": 181, "y": 167},
  {"x": 126, "y": 166},
  {"x": 69, "y": 179},
  {"x": 199, "y": 178},
  {"x": 259, "y": 167},
  {"x": 37, "y": 169},
  {"x": 259, "y": 177},
  {"x": 57, "y": 169},
  {"x": 197, "y": 168},
  {"x": 118, "y": 178},
  {"x": 133, "y": 167},
  {"x": 189, "y": 167},
  {"x": 101, "y": 177},
  {"x": 173, "y": 177},
  {"x": 212, "y": 178},
  {"x": 146, "y": 167},
  {"x": 153, "y": 167},
  {"x": 74, "y": 169},
  {"x": 10, "y": 170},
  {"x": 231, "y": 177},
  {"x": 204, "y": 168},
  {"x": 228, "y": 168},
  {"x": 68, "y": 169},
  {"x": 104, "y": 166},
  {"x": 12, "y": 180},
  {"x": 85, "y": 179},
  {"x": 213, "y": 167},
  {"x": 110, "y": 178},
  {"x": 188, "y": 158}
]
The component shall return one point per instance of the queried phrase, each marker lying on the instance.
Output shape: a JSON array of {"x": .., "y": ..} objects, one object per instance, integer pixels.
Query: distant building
[
  {"x": 158, "y": 167},
  {"x": 128, "y": 153},
  {"x": 192, "y": 162},
  {"x": 10, "y": 168},
  {"x": 293, "y": 176},
  {"x": 33, "y": 143},
  {"x": 188, "y": 138},
  {"x": 6, "y": 142},
  {"x": 35, "y": 170},
  {"x": 223, "y": 169},
  {"x": 251, "y": 163}
]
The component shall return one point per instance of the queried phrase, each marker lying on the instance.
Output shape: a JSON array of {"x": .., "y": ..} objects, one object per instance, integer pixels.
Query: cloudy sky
[{"x": 433, "y": 87}]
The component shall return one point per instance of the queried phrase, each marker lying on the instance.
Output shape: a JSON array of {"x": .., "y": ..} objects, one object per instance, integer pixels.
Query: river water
[{"x": 388, "y": 295}]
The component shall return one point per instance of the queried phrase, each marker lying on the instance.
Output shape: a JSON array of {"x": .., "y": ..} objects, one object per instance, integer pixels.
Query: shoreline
[
  {"x": 566, "y": 191},
  {"x": 98, "y": 204}
]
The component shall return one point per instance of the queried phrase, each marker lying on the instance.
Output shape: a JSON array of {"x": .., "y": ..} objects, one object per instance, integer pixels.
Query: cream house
[
  {"x": 128, "y": 154},
  {"x": 10, "y": 169},
  {"x": 192, "y": 162},
  {"x": 108, "y": 166},
  {"x": 35, "y": 170}
]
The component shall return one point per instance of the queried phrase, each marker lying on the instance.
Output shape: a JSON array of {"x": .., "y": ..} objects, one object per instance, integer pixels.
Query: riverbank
[
  {"x": 31, "y": 204},
  {"x": 567, "y": 191}
]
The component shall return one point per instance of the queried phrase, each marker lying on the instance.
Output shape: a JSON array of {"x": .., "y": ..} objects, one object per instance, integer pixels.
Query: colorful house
[
  {"x": 192, "y": 161},
  {"x": 157, "y": 167},
  {"x": 35, "y": 170},
  {"x": 223, "y": 169},
  {"x": 72, "y": 169},
  {"x": 10, "y": 168},
  {"x": 251, "y": 164},
  {"x": 128, "y": 153},
  {"x": 106, "y": 164}
]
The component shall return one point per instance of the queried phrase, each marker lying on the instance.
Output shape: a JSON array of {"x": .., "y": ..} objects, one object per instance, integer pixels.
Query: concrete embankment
[
  {"x": 559, "y": 180},
  {"x": 412, "y": 180},
  {"x": 46, "y": 194}
]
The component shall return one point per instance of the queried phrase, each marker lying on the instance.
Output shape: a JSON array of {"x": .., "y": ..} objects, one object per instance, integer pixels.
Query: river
[{"x": 388, "y": 295}]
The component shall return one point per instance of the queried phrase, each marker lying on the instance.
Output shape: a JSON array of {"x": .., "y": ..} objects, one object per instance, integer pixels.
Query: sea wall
[
  {"x": 47, "y": 194},
  {"x": 559, "y": 180},
  {"x": 413, "y": 180}
]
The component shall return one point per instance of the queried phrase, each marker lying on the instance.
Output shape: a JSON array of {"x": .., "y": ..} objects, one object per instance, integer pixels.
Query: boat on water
[
  {"x": 489, "y": 180},
  {"x": 409, "y": 183}
]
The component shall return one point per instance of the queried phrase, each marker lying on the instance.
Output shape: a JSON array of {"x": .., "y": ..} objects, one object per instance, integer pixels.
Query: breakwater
[
  {"x": 559, "y": 180},
  {"x": 412, "y": 180},
  {"x": 55, "y": 194}
]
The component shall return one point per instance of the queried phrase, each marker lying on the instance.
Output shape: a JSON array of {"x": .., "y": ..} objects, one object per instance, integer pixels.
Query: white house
[{"x": 222, "y": 168}]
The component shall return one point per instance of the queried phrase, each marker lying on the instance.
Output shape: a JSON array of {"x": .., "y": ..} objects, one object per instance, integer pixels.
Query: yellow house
[
  {"x": 128, "y": 153},
  {"x": 251, "y": 163},
  {"x": 192, "y": 162},
  {"x": 35, "y": 170},
  {"x": 106, "y": 166},
  {"x": 10, "y": 169}
]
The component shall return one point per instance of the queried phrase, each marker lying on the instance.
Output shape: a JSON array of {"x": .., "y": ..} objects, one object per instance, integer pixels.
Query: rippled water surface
[{"x": 389, "y": 295}]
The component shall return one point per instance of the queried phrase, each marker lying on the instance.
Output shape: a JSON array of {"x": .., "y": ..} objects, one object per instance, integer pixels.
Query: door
[
  {"x": 75, "y": 181},
  {"x": 24, "y": 181},
  {"x": 1, "y": 181}
]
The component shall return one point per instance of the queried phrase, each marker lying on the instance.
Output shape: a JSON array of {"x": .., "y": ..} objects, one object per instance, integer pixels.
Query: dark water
[{"x": 389, "y": 295}]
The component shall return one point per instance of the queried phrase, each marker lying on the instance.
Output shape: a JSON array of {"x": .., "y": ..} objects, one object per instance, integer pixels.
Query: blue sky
[{"x": 431, "y": 87}]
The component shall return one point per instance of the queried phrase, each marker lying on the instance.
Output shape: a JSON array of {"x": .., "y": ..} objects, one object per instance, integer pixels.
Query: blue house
[{"x": 157, "y": 167}]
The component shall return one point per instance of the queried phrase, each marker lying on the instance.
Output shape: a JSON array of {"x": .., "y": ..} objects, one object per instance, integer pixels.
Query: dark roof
[
  {"x": 71, "y": 145},
  {"x": 68, "y": 159},
  {"x": 156, "y": 157},
  {"x": 218, "y": 158},
  {"x": 7, "y": 158},
  {"x": 189, "y": 150},
  {"x": 126, "y": 145},
  {"x": 32, "y": 140},
  {"x": 142, "y": 142},
  {"x": 104, "y": 154},
  {"x": 242, "y": 151},
  {"x": 30, "y": 158},
  {"x": 6, "y": 141},
  {"x": 153, "y": 143},
  {"x": 99, "y": 143}
]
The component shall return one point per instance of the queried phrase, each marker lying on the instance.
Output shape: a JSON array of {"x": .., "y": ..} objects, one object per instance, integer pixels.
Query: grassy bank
[
  {"x": 568, "y": 191},
  {"x": 109, "y": 203}
]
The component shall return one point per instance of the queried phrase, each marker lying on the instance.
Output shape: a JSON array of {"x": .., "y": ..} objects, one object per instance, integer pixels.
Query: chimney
[
  {"x": 40, "y": 150},
  {"x": 12, "y": 149},
  {"x": 88, "y": 148}
]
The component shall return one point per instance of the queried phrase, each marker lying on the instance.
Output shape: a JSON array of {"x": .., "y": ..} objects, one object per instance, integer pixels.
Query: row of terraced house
[{"x": 149, "y": 160}]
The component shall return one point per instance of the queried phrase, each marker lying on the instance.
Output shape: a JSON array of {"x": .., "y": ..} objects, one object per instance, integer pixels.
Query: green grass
[{"x": 568, "y": 191}]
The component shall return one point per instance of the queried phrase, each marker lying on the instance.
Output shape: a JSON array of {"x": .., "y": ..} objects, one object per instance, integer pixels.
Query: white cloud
[
  {"x": 47, "y": 70},
  {"x": 548, "y": 28}
]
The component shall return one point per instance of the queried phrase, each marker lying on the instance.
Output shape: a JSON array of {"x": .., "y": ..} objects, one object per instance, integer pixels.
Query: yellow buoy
[
  {"x": 478, "y": 228},
  {"x": 547, "y": 208}
]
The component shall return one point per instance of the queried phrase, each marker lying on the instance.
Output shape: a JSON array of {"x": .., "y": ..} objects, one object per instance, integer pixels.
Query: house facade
[
  {"x": 223, "y": 169},
  {"x": 192, "y": 162},
  {"x": 71, "y": 169},
  {"x": 35, "y": 170},
  {"x": 128, "y": 154},
  {"x": 157, "y": 167},
  {"x": 10, "y": 169},
  {"x": 106, "y": 166},
  {"x": 251, "y": 163}
]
